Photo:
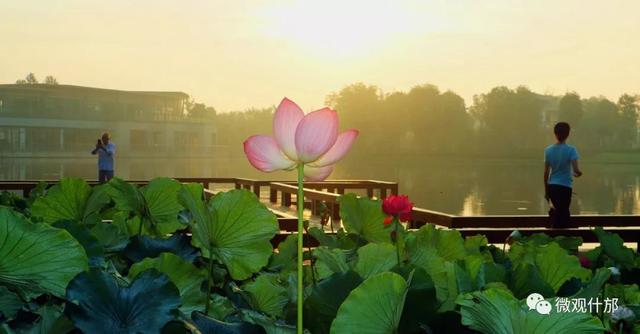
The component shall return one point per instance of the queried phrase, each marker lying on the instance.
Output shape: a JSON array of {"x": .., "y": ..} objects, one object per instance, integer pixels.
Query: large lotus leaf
[
  {"x": 326, "y": 297},
  {"x": 421, "y": 304},
  {"x": 267, "y": 295},
  {"x": 141, "y": 247},
  {"x": 208, "y": 325},
  {"x": 70, "y": 199},
  {"x": 427, "y": 249},
  {"x": 557, "y": 266},
  {"x": 94, "y": 250},
  {"x": 496, "y": 311},
  {"x": 37, "y": 258},
  {"x": 10, "y": 303},
  {"x": 285, "y": 258},
  {"x": 269, "y": 325},
  {"x": 448, "y": 244},
  {"x": 112, "y": 237},
  {"x": 595, "y": 285},
  {"x": 187, "y": 278},
  {"x": 329, "y": 261},
  {"x": 376, "y": 258},
  {"x": 364, "y": 216},
  {"x": 235, "y": 228},
  {"x": 51, "y": 320},
  {"x": 525, "y": 278},
  {"x": 221, "y": 307},
  {"x": 155, "y": 206},
  {"x": 373, "y": 307},
  {"x": 101, "y": 305},
  {"x": 613, "y": 246}
]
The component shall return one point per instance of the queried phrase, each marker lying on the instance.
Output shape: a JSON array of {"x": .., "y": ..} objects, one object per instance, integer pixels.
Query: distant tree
[
  {"x": 570, "y": 109},
  {"x": 512, "y": 118},
  {"x": 31, "y": 79},
  {"x": 629, "y": 108},
  {"x": 50, "y": 80},
  {"x": 600, "y": 124}
]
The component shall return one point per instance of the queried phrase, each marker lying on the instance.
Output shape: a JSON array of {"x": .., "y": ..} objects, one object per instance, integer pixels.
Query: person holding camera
[{"x": 106, "y": 151}]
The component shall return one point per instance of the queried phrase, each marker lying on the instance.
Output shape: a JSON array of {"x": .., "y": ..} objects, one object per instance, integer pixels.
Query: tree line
[{"x": 428, "y": 121}]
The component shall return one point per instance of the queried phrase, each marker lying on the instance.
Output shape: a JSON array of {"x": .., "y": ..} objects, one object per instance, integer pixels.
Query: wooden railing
[{"x": 495, "y": 228}]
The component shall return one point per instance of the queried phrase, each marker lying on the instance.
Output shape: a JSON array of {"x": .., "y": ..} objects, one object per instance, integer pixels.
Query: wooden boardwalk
[{"x": 322, "y": 197}]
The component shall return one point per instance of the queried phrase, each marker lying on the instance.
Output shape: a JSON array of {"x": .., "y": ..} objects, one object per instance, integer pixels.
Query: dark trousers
[
  {"x": 105, "y": 175},
  {"x": 560, "y": 197}
]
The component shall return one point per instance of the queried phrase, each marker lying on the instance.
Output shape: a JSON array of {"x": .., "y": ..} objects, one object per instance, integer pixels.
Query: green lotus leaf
[
  {"x": 613, "y": 246},
  {"x": 37, "y": 258},
  {"x": 101, "y": 305},
  {"x": 496, "y": 311},
  {"x": 206, "y": 325},
  {"x": 285, "y": 258},
  {"x": 10, "y": 303},
  {"x": 221, "y": 307},
  {"x": 51, "y": 320},
  {"x": 364, "y": 216},
  {"x": 112, "y": 237},
  {"x": 329, "y": 261},
  {"x": 325, "y": 298},
  {"x": 94, "y": 250},
  {"x": 376, "y": 258},
  {"x": 595, "y": 285},
  {"x": 234, "y": 228},
  {"x": 525, "y": 278},
  {"x": 448, "y": 244},
  {"x": 269, "y": 325},
  {"x": 186, "y": 277},
  {"x": 71, "y": 199},
  {"x": 373, "y": 307},
  {"x": 154, "y": 206},
  {"x": 421, "y": 304},
  {"x": 267, "y": 295},
  {"x": 557, "y": 266},
  {"x": 141, "y": 247}
]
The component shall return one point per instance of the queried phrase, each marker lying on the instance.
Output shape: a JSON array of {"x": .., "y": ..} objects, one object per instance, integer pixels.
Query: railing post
[
  {"x": 383, "y": 193},
  {"x": 369, "y": 192},
  {"x": 286, "y": 199},
  {"x": 394, "y": 189},
  {"x": 256, "y": 190},
  {"x": 273, "y": 196}
]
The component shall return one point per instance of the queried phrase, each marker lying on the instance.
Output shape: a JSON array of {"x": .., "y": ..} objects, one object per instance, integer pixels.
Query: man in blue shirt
[
  {"x": 106, "y": 151},
  {"x": 560, "y": 164}
]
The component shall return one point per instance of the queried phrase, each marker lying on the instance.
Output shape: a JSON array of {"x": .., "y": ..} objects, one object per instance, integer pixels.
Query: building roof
[{"x": 88, "y": 90}]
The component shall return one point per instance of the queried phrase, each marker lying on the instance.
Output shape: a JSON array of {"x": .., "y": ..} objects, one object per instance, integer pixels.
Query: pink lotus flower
[{"x": 311, "y": 140}]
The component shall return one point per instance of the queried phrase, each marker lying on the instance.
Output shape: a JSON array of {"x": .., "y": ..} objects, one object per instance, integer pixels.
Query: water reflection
[{"x": 466, "y": 187}]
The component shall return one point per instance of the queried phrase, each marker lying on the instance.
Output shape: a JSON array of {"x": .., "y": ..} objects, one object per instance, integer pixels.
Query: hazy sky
[{"x": 238, "y": 53}]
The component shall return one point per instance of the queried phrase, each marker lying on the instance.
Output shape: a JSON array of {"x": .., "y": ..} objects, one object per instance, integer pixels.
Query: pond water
[{"x": 465, "y": 187}]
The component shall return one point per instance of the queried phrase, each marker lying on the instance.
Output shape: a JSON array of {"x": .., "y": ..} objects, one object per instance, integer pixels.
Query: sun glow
[{"x": 337, "y": 28}]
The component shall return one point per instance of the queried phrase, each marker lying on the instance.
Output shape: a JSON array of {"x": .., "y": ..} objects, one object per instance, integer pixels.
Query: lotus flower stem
[
  {"x": 395, "y": 225},
  {"x": 300, "y": 203}
]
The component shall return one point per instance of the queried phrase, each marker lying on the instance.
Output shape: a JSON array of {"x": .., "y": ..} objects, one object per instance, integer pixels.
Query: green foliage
[
  {"x": 373, "y": 307},
  {"x": 234, "y": 228},
  {"x": 613, "y": 246},
  {"x": 363, "y": 216},
  {"x": 268, "y": 295},
  {"x": 10, "y": 303},
  {"x": 186, "y": 277},
  {"x": 325, "y": 298},
  {"x": 101, "y": 305},
  {"x": 71, "y": 199},
  {"x": 375, "y": 258},
  {"x": 151, "y": 210},
  {"x": 37, "y": 258},
  {"x": 496, "y": 311}
]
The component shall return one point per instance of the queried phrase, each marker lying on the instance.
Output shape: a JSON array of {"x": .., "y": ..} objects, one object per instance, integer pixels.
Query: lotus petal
[
  {"x": 339, "y": 149},
  {"x": 264, "y": 154},
  {"x": 316, "y": 134},
  {"x": 317, "y": 173},
  {"x": 285, "y": 121}
]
